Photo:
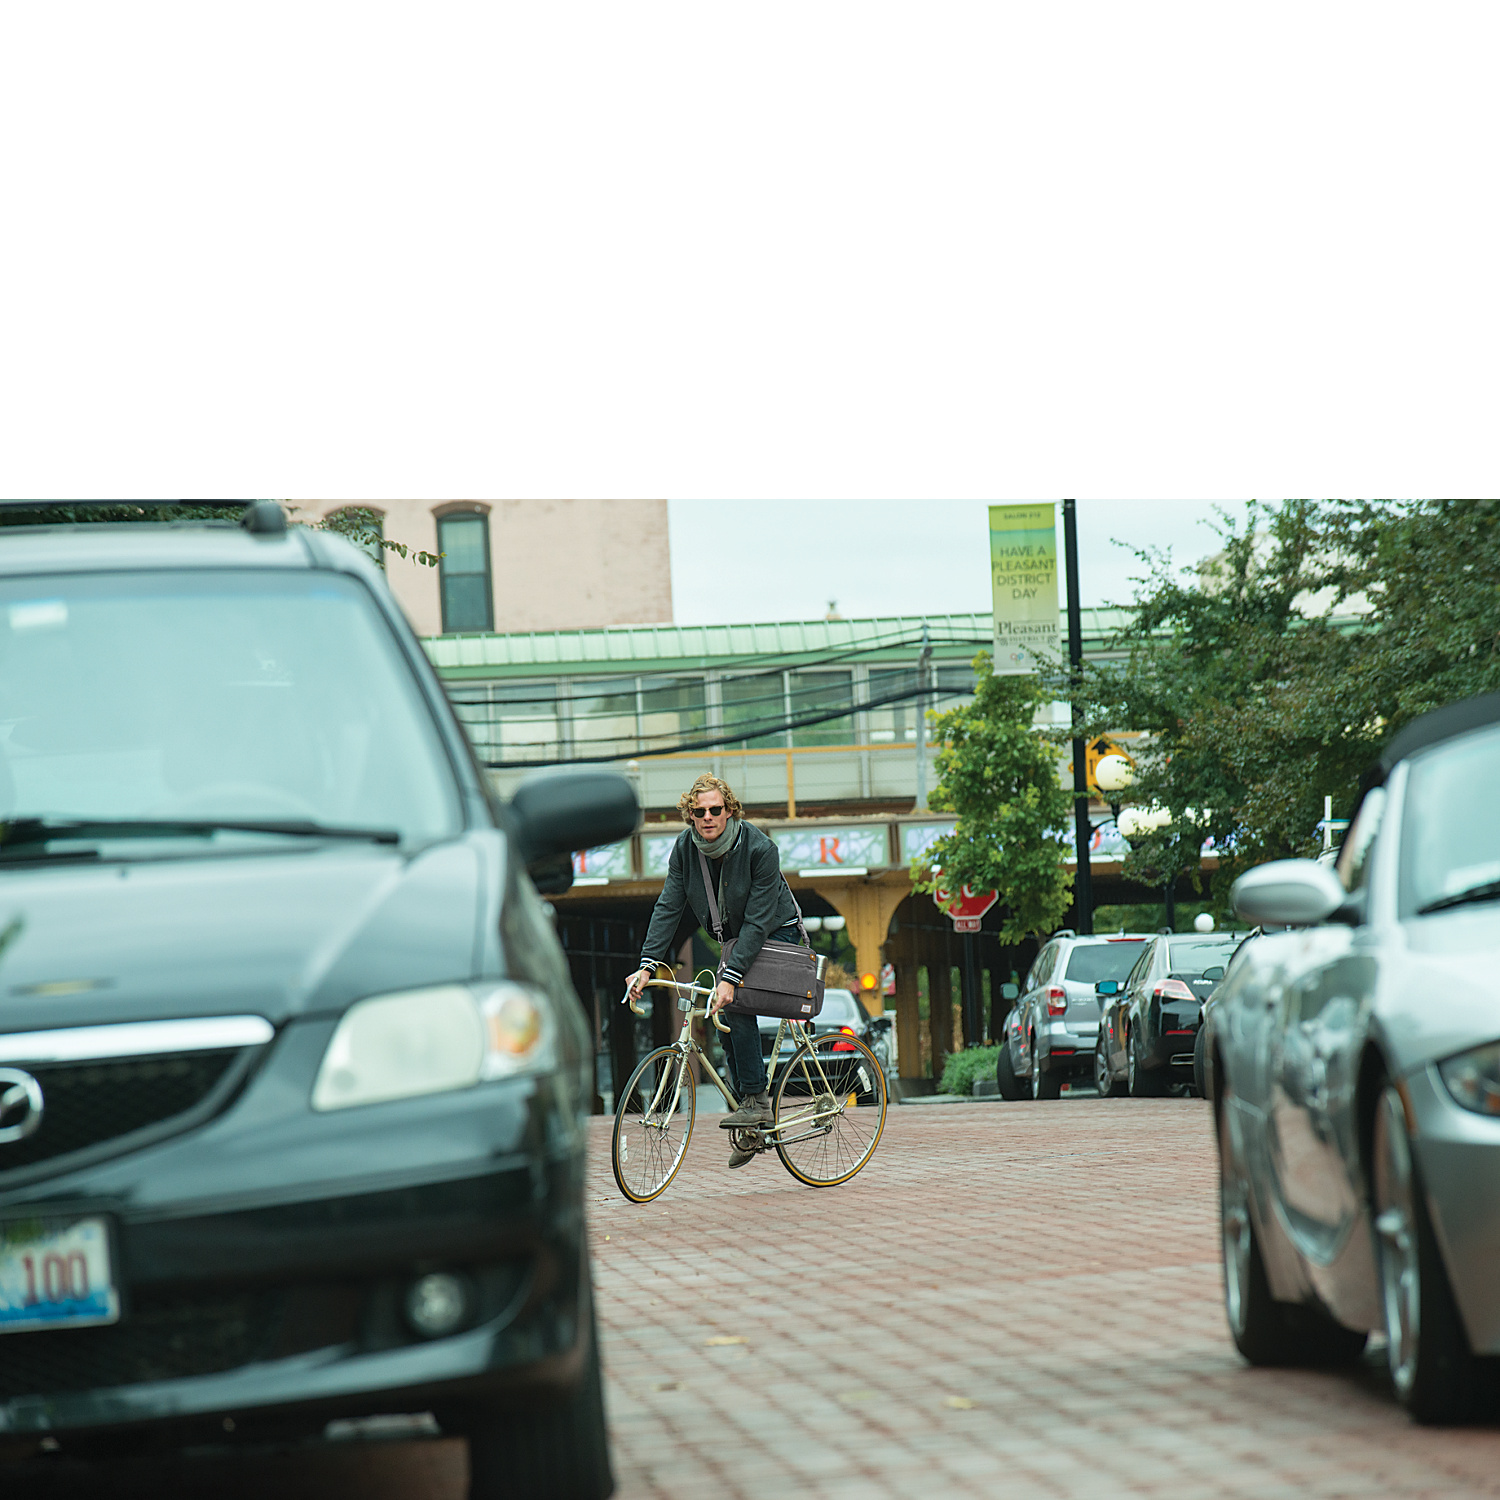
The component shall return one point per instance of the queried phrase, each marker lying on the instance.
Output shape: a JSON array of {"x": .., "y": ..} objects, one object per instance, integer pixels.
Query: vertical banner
[{"x": 1023, "y": 573}]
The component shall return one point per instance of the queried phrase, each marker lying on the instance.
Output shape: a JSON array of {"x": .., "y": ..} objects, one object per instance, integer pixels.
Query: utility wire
[{"x": 739, "y": 733}]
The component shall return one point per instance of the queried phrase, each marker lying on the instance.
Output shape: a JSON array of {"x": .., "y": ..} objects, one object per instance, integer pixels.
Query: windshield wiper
[
  {"x": 1488, "y": 890},
  {"x": 29, "y": 833}
]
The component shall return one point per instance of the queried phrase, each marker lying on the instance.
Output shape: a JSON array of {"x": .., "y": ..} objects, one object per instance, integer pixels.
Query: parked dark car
[
  {"x": 840, "y": 1012},
  {"x": 292, "y": 1076},
  {"x": 1355, "y": 1067},
  {"x": 1147, "y": 1031}
]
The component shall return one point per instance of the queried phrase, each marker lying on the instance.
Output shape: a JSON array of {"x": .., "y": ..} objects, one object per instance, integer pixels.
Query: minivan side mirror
[
  {"x": 1290, "y": 892},
  {"x": 1108, "y": 987},
  {"x": 1010, "y": 992},
  {"x": 554, "y": 814}
]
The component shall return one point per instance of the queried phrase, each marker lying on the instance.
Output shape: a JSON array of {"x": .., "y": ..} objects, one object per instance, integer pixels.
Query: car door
[
  {"x": 1313, "y": 1062},
  {"x": 1310, "y": 1079},
  {"x": 1115, "y": 1018},
  {"x": 1138, "y": 997},
  {"x": 1041, "y": 973}
]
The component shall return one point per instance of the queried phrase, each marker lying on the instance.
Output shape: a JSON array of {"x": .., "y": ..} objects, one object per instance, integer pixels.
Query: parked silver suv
[{"x": 1050, "y": 1033}]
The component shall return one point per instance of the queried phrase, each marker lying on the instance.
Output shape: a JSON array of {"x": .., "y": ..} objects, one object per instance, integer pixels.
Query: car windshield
[
  {"x": 1450, "y": 839},
  {"x": 1091, "y": 962},
  {"x": 255, "y": 696},
  {"x": 1190, "y": 957}
]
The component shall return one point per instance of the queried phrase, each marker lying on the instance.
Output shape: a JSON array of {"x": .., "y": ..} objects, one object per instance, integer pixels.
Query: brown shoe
[
  {"x": 751, "y": 1115},
  {"x": 738, "y": 1158}
]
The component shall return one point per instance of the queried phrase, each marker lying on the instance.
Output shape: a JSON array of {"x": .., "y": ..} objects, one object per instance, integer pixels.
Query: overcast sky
[{"x": 735, "y": 560}]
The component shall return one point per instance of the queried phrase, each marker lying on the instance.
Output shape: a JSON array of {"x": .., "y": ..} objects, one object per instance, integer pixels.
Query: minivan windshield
[
  {"x": 1090, "y": 962},
  {"x": 250, "y": 695}
]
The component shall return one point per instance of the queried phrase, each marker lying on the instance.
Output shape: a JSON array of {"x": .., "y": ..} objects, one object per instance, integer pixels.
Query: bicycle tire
[
  {"x": 836, "y": 1078},
  {"x": 657, "y": 1152}
]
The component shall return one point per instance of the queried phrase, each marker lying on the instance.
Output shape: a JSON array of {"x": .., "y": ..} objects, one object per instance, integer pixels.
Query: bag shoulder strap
[
  {"x": 713, "y": 904},
  {"x": 713, "y": 901}
]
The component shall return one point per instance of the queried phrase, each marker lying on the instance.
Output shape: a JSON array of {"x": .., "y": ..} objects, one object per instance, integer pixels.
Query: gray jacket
[{"x": 754, "y": 900}]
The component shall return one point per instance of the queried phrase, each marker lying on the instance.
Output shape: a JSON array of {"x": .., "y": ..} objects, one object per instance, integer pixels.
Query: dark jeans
[{"x": 746, "y": 1067}]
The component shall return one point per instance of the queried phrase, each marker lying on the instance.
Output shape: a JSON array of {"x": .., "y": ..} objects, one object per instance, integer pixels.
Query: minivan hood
[{"x": 271, "y": 934}]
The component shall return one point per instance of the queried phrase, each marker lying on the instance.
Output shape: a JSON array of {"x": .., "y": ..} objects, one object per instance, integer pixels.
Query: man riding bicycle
[{"x": 756, "y": 903}]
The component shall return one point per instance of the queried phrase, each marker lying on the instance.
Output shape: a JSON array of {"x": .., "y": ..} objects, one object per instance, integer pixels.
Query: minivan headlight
[
  {"x": 433, "y": 1041},
  {"x": 1473, "y": 1078}
]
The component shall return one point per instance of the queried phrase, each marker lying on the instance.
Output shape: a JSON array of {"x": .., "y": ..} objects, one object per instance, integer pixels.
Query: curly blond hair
[{"x": 708, "y": 783}]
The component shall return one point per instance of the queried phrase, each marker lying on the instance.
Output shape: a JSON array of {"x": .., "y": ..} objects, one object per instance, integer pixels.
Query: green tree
[
  {"x": 1268, "y": 678},
  {"x": 1430, "y": 573},
  {"x": 360, "y": 524},
  {"x": 1000, "y": 776},
  {"x": 364, "y": 526}
]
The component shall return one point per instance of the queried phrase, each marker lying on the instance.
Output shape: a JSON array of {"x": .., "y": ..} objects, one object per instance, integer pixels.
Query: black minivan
[{"x": 293, "y": 1080}]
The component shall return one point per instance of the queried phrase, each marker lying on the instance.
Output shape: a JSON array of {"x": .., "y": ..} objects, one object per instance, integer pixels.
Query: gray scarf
[{"x": 719, "y": 847}]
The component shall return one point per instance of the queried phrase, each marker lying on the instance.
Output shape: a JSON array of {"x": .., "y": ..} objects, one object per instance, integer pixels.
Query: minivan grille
[
  {"x": 88, "y": 1103},
  {"x": 176, "y": 1336}
]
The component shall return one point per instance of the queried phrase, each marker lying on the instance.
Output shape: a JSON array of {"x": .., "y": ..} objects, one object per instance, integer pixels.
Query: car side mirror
[
  {"x": 554, "y": 814},
  {"x": 1212, "y": 975},
  {"x": 1010, "y": 992},
  {"x": 1290, "y": 892},
  {"x": 1107, "y": 987}
]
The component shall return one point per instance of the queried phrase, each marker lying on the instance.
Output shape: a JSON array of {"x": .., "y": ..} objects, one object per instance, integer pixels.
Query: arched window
[{"x": 464, "y": 569}]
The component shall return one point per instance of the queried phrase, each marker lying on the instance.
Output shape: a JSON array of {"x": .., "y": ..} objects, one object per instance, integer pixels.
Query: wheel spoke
[
  {"x": 830, "y": 1110},
  {"x": 650, "y": 1136}
]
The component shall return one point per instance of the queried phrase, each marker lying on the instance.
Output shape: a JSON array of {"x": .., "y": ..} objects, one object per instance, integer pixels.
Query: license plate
[{"x": 55, "y": 1274}]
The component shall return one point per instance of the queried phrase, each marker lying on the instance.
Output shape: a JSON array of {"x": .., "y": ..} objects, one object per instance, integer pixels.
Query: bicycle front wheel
[
  {"x": 829, "y": 1109},
  {"x": 653, "y": 1124}
]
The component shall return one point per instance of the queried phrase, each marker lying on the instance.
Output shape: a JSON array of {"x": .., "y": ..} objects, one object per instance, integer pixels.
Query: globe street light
[{"x": 1114, "y": 776}]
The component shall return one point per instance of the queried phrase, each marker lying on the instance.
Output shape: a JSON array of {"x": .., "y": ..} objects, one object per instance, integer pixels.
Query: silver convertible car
[{"x": 1354, "y": 1067}]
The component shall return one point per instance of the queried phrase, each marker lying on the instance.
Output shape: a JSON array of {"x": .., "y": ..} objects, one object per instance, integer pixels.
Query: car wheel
[
  {"x": 1109, "y": 1087},
  {"x": 1005, "y": 1076},
  {"x": 1045, "y": 1084},
  {"x": 1431, "y": 1365},
  {"x": 561, "y": 1452},
  {"x": 1142, "y": 1083},
  {"x": 1200, "y": 1064},
  {"x": 1265, "y": 1331}
]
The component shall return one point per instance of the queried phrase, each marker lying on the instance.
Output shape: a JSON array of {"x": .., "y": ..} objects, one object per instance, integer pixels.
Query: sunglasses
[{"x": 706, "y": 812}]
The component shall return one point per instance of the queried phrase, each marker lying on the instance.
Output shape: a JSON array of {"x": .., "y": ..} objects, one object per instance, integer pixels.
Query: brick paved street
[{"x": 1011, "y": 1300}]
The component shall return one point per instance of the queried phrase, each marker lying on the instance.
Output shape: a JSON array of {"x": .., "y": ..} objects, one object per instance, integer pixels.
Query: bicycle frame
[{"x": 688, "y": 1045}]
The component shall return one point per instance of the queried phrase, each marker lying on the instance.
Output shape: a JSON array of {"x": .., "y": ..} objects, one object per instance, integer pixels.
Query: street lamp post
[{"x": 1083, "y": 831}]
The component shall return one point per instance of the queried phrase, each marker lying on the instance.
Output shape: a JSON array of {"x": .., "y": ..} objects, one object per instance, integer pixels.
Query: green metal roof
[{"x": 683, "y": 648}]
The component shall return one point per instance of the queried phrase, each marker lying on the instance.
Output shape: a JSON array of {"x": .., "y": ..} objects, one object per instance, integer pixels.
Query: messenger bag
[{"x": 785, "y": 981}]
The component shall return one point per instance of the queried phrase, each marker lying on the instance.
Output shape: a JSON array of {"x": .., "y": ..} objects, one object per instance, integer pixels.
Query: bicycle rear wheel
[
  {"x": 829, "y": 1109},
  {"x": 653, "y": 1124}
]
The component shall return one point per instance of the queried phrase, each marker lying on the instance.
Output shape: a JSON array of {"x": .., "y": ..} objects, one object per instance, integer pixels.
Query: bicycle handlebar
[{"x": 675, "y": 984}]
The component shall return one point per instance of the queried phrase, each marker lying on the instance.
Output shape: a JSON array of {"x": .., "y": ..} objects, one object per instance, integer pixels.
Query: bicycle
[{"x": 827, "y": 1104}]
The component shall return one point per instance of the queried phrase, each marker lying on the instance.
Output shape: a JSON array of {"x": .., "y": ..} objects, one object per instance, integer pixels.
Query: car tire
[
  {"x": 1432, "y": 1368},
  {"x": 1142, "y": 1082},
  {"x": 1005, "y": 1077},
  {"x": 535, "y": 1452},
  {"x": 1265, "y": 1331},
  {"x": 1045, "y": 1084},
  {"x": 1109, "y": 1088}
]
